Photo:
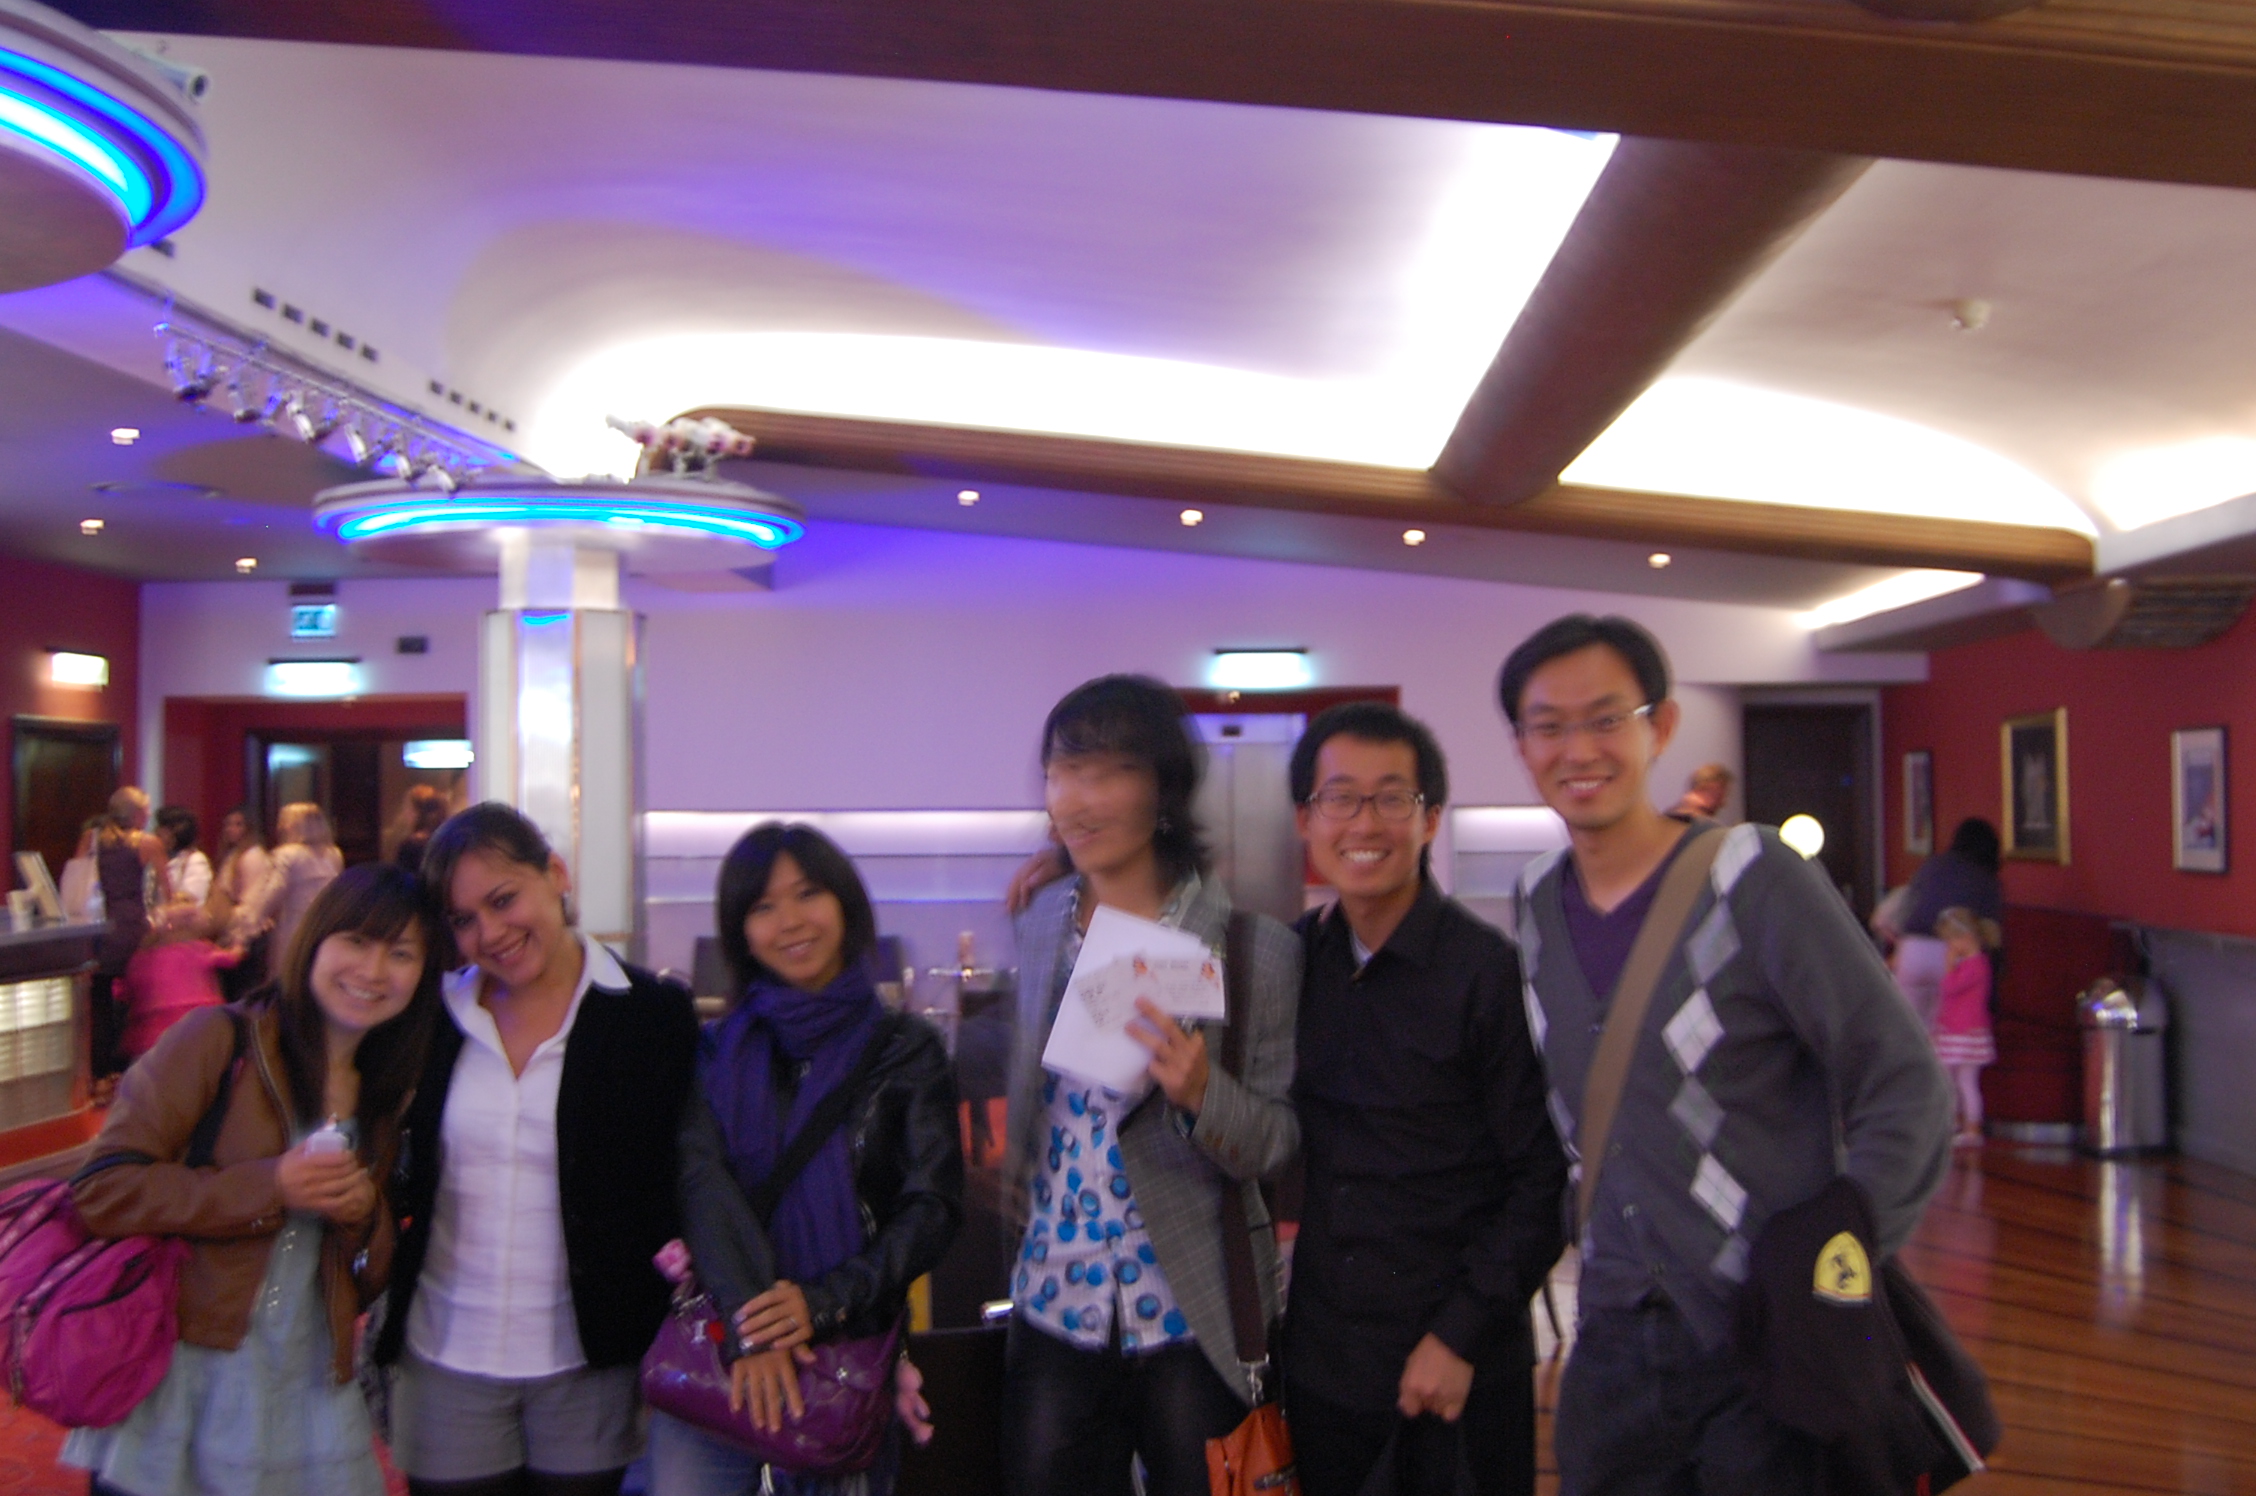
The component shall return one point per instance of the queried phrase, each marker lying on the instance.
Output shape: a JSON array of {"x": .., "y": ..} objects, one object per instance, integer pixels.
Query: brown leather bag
[{"x": 1256, "y": 1458}]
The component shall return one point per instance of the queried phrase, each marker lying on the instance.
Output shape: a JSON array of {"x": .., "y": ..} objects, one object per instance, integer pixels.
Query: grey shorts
[{"x": 450, "y": 1425}]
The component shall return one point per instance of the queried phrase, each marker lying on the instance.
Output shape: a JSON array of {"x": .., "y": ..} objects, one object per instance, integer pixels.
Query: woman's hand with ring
[{"x": 776, "y": 1320}]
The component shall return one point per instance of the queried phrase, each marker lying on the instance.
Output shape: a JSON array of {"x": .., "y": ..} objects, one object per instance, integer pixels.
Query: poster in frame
[
  {"x": 2033, "y": 753},
  {"x": 1919, "y": 802},
  {"x": 2197, "y": 800}
]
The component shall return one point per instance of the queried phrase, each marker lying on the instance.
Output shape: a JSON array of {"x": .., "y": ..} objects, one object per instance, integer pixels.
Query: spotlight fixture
[
  {"x": 1194, "y": 517},
  {"x": 967, "y": 497},
  {"x": 124, "y": 436},
  {"x": 263, "y": 384},
  {"x": 246, "y": 564},
  {"x": 89, "y": 527},
  {"x": 1659, "y": 560},
  {"x": 1413, "y": 537}
]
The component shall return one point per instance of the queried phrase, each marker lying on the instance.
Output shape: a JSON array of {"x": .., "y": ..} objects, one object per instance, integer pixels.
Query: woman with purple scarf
[{"x": 875, "y": 1206}]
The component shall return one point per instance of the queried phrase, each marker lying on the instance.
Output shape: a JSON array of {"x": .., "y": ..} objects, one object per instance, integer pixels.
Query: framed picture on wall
[
  {"x": 2197, "y": 799},
  {"x": 1919, "y": 802},
  {"x": 2034, "y": 751}
]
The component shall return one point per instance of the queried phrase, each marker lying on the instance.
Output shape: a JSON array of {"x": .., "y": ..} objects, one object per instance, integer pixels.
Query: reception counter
[{"x": 43, "y": 1037}]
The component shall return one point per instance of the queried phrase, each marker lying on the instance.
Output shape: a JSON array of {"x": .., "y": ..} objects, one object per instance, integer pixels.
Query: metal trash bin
[{"x": 2126, "y": 1107}]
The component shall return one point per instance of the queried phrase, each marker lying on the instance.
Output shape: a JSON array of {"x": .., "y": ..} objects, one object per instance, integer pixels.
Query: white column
[{"x": 558, "y": 725}]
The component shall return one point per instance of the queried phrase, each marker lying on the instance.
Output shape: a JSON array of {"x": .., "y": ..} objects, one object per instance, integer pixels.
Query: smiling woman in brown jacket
[{"x": 291, "y": 1236}]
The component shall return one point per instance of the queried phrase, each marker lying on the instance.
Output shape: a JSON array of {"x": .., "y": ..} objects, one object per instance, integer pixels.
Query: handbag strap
[
  {"x": 827, "y": 1117},
  {"x": 1657, "y": 939},
  {"x": 1249, "y": 1326},
  {"x": 205, "y": 1139}
]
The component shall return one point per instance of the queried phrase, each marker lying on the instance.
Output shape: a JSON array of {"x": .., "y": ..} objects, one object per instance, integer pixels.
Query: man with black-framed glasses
[
  {"x": 1771, "y": 1054},
  {"x": 1433, "y": 1175}
]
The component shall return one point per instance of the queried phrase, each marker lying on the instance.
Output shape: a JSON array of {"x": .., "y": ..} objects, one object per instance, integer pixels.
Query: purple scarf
[{"x": 818, "y": 1222}]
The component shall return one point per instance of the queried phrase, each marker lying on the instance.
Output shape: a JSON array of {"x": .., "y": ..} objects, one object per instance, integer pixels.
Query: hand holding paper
[{"x": 1124, "y": 961}]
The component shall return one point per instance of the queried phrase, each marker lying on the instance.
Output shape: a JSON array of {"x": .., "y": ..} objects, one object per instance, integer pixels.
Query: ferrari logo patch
[{"x": 1844, "y": 1273}]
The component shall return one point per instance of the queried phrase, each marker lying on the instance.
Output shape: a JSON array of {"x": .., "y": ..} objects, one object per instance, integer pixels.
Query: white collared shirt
[{"x": 495, "y": 1296}]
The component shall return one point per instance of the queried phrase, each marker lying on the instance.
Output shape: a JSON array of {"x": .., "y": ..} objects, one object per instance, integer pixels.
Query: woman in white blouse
[{"x": 541, "y": 1165}]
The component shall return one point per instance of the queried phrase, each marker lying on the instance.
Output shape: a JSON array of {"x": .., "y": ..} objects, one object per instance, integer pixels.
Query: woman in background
[
  {"x": 422, "y": 812},
  {"x": 129, "y": 864},
  {"x": 303, "y": 862},
  {"x": 1964, "y": 875},
  {"x": 185, "y": 864},
  {"x": 236, "y": 884}
]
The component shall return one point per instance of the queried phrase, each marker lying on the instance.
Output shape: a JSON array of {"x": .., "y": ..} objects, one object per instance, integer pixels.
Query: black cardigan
[
  {"x": 628, "y": 1067},
  {"x": 907, "y": 1151}
]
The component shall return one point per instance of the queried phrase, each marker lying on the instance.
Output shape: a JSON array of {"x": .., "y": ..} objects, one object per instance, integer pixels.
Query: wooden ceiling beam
[
  {"x": 2164, "y": 90},
  {"x": 1668, "y": 236},
  {"x": 1198, "y": 476}
]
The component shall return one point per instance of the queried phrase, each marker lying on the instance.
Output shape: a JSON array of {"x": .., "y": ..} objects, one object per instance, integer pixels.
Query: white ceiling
[{"x": 496, "y": 223}]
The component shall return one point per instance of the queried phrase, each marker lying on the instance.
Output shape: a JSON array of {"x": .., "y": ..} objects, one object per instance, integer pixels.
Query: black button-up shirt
[{"x": 1434, "y": 1180}]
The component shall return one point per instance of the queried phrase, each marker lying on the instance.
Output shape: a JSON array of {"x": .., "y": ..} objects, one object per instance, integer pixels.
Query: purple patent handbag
[{"x": 848, "y": 1390}]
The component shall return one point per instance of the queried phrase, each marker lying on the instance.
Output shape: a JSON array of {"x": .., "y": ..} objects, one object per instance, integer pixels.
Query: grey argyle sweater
[{"x": 1776, "y": 1054}]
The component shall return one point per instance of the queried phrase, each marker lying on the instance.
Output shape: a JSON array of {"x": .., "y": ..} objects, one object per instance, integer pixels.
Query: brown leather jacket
[{"x": 232, "y": 1211}]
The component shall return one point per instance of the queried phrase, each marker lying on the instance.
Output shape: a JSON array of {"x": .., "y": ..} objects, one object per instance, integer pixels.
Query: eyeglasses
[
  {"x": 1346, "y": 805},
  {"x": 1608, "y": 725}
]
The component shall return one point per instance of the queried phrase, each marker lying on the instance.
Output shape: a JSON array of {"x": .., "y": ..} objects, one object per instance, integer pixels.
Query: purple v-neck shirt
[{"x": 1602, "y": 940}]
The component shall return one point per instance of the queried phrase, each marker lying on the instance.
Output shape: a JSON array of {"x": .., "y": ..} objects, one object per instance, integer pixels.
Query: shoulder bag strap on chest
[
  {"x": 1657, "y": 939},
  {"x": 1249, "y": 1326}
]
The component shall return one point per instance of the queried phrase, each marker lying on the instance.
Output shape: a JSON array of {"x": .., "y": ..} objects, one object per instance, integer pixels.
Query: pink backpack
[{"x": 87, "y": 1324}]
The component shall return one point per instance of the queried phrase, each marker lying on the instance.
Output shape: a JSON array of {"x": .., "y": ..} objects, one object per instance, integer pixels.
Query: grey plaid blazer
[{"x": 1245, "y": 1132}]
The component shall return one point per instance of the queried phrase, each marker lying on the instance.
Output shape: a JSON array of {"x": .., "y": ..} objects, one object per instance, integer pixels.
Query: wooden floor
[{"x": 2113, "y": 1306}]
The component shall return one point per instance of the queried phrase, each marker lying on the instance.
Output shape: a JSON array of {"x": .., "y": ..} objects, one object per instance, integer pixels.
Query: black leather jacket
[{"x": 908, "y": 1172}]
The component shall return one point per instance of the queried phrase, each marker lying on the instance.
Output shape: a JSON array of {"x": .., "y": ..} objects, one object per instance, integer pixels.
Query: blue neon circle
[
  {"x": 155, "y": 203},
  {"x": 769, "y": 532}
]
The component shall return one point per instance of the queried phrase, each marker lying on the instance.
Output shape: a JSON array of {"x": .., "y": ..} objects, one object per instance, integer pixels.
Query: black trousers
[
  {"x": 1488, "y": 1451},
  {"x": 1646, "y": 1410},
  {"x": 107, "y": 1025},
  {"x": 1074, "y": 1419}
]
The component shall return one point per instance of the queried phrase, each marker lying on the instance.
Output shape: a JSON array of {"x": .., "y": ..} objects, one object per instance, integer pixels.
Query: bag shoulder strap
[
  {"x": 1657, "y": 940},
  {"x": 828, "y": 1116},
  {"x": 1249, "y": 1326},
  {"x": 205, "y": 1138}
]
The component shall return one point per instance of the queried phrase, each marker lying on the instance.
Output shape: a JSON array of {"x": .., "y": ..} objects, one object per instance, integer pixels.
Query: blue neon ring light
[
  {"x": 158, "y": 184},
  {"x": 426, "y": 513}
]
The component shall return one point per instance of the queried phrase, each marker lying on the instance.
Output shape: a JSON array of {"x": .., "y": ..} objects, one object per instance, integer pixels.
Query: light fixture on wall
[
  {"x": 967, "y": 496},
  {"x": 1413, "y": 537},
  {"x": 99, "y": 147},
  {"x": 1659, "y": 560},
  {"x": 89, "y": 527},
  {"x": 246, "y": 564},
  {"x": 333, "y": 677},
  {"x": 124, "y": 436},
  {"x": 1193, "y": 517},
  {"x": 438, "y": 753},
  {"x": 67, "y": 667},
  {"x": 1260, "y": 670}
]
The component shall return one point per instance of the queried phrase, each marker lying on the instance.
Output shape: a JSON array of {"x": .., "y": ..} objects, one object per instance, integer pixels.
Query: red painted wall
[
  {"x": 204, "y": 737},
  {"x": 2122, "y": 706},
  {"x": 45, "y": 607}
]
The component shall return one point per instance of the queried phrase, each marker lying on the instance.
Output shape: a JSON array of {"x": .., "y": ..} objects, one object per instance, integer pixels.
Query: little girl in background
[
  {"x": 175, "y": 972},
  {"x": 1962, "y": 1014}
]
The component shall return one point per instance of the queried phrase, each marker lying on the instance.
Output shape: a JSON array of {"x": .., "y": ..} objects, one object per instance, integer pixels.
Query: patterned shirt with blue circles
[{"x": 1086, "y": 1259}]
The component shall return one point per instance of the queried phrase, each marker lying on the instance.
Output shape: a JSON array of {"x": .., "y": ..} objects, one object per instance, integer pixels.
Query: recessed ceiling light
[
  {"x": 1194, "y": 516},
  {"x": 967, "y": 497},
  {"x": 1413, "y": 537},
  {"x": 1659, "y": 559},
  {"x": 89, "y": 527},
  {"x": 246, "y": 564},
  {"x": 125, "y": 436}
]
